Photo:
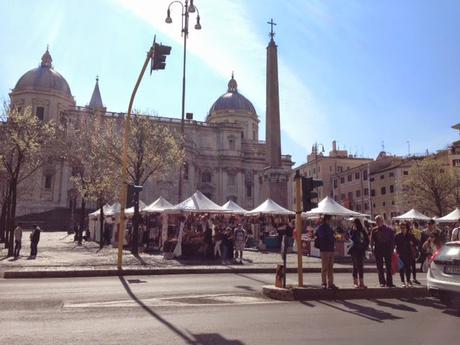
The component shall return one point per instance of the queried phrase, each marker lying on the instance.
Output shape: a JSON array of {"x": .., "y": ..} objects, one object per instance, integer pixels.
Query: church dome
[
  {"x": 43, "y": 78},
  {"x": 232, "y": 101}
]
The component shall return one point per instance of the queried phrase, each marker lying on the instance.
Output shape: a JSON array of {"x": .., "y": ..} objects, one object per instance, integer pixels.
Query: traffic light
[
  {"x": 132, "y": 197},
  {"x": 159, "y": 57},
  {"x": 308, "y": 186}
]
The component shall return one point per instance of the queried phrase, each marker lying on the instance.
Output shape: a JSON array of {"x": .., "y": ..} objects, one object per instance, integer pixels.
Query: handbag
[
  {"x": 317, "y": 243},
  {"x": 395, "y": 263}
]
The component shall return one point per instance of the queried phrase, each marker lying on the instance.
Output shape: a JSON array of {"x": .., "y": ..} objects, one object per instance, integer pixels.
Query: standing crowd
[{"x": 394, "y": 248}]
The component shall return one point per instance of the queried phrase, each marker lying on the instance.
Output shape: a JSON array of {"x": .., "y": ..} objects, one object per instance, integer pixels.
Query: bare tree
[
  {"x": 154, "y": 151},
  {"x": 431, "y": 186},
  {"x": 24, "y": 150}
]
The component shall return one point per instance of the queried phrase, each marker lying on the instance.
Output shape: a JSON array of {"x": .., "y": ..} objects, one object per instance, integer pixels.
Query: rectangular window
[
  {"x": 455, "y": 162},
  {"x": 372, "y": 179},
  {"x": 383, "y": 190},
  {"x": 372, "y": 192},
  {"x": 48, "y": 180},
  {"x": 342, "y": 196},
  {"x": 342, "y": 179},
  {"x": 349, "y": 177},
  {"x": 392, "y": 189},
  {"x": 40, "y": 113},
  {"x": 382, "y": 177},
  {"x": 392, "y": 174},
  {"x": 366, "y": 191},
  {"x": 358, "y": 193},
  {"x": 335, "y": 183},
  {"x": 249, "y": 191},
  {"x": 405, "y": 172},
  {"x": 365, "y": 175},
  {"x": 366, "y": 206},
  {"x": 350, "y": 195},
  {"x": 357, "y": 176},
  {"x": 231, "y": 180}
]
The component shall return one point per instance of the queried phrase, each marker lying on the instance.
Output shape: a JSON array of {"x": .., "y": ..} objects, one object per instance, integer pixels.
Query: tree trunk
[
  {"x": 101, "y": 225},
  {"x": 3, "y": 219},
  {"x": 12, "y": 216},
  {"x": 82, "y": 220}
]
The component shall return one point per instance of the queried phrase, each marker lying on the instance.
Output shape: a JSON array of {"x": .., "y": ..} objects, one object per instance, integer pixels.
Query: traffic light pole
[
  {"x": 298, "y": 226},
  {"x": 124, "y": 169}
]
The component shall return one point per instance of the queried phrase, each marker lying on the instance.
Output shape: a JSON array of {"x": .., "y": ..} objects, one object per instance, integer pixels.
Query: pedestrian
[
  {"x": 404, "y": 242},
  {"x": 382, "y": 243},
  {"x": 360, "y": 243},
  {"x": 17, "y": 240},
  {"x": 326, "y": 242},
  {"x": 240, "y": 237},
  {"x": 415, "y": 251},
  {"x": 425, "y": 250},
  {"x": 34, "y": 239},
  {"x": 455, "y": 236},
  {"x": 217, "y": 241}
]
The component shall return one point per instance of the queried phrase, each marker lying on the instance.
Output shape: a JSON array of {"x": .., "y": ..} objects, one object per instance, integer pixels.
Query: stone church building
[{"x": 224, "y": 157}]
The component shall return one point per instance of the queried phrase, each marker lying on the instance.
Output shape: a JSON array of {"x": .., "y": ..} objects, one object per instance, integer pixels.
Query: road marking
[{"x": 180, "y": 301}]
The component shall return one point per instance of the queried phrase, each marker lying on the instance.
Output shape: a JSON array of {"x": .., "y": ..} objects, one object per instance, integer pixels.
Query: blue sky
[{"x": 359, "y": 72}]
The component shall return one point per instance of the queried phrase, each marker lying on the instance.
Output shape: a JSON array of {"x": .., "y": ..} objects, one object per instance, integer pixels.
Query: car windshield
[{"x": 450, "y": 251}]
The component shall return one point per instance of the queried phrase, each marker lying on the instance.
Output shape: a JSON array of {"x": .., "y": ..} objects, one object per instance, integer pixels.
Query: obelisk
[{"x": 275, "y": 175}]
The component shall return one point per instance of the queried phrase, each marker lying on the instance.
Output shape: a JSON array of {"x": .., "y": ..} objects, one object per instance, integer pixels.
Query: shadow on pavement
[
  {"x": 4, "y": 258},
  {"x": 214, "y": 339},
  {"x": 251, "y": 278},
  {"x": 198, "y": 339},
  {"x": 245, "y": 287},
  {"x": 362, "y": 311},
  {"x": 432, "y": 303},
  {"x": 402, "y": 307}
]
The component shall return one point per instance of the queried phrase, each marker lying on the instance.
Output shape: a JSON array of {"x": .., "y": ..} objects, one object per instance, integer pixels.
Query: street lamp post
[{"x": 186, "y": 9}]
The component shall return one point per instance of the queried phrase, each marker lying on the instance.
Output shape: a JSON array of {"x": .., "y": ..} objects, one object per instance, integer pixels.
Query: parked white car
[{"x": 443, "y": 277}]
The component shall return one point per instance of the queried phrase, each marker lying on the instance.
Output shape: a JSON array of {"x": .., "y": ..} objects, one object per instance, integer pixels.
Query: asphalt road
[{"x": 207, "y": 309}]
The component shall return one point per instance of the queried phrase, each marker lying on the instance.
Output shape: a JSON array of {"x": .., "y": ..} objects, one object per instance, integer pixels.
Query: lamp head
[
  {"x": 191, "y": 8},
  {"x": 168, "y": 17},
  {"x": 197, "y": 25}
]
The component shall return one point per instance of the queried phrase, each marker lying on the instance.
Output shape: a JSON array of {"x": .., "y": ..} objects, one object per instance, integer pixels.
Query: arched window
[{"x": 206, "y": 176}]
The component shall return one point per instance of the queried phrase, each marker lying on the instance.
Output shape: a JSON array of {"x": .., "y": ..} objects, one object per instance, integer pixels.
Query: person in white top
[
  {"x": 17, "y": 240},
  {"x": 455, "y": 236}
]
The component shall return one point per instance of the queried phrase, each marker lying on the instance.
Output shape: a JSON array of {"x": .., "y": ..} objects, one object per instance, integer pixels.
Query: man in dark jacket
[
  {"x": 325, "y": 235},
  {"x": 34, "y": 239},
  {"x": 383, "y": 243}
]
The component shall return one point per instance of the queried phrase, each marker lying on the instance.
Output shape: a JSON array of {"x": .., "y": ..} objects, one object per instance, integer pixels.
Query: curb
[
  {"x": 160, "y": 271},
  {"x": 310, "y": 293}
]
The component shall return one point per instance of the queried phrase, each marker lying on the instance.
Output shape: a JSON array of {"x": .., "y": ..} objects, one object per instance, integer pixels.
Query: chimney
[{"x": 334, "y": 146}]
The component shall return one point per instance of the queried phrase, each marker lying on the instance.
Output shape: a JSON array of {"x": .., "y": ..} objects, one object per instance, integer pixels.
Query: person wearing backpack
[{"x": 360, "y": 243}]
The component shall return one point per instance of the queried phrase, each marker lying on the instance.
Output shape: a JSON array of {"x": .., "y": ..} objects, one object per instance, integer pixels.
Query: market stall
[
  {"x": 452, "y": 217},
  {"x": 94, "y": 224},
  {"x": 271, "y": 221},
  {"x": 156, "y": 223},
  {"x": 329, "y": 206},
  {"x": 413, "y": 215}
]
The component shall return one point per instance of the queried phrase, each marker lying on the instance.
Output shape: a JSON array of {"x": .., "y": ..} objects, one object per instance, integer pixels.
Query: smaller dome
[
  {"x": 44, "y": 78},
  {"x": 232, "y": 101}
]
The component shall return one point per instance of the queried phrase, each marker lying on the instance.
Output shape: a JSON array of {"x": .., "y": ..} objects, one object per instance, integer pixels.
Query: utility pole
[{"x": 298, "y": 227}]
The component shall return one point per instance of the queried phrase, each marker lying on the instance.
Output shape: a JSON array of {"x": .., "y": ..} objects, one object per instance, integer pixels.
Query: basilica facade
[{"x": 224, "y": 157}]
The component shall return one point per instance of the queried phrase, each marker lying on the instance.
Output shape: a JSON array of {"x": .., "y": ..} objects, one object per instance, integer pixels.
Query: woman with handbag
[
  {"x": 415, "y": 245},
  {"x": 360, "y": 243},
  {"x": 404, "y": 249}
]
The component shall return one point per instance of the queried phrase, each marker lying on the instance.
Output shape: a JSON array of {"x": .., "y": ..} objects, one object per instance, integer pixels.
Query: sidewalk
[{"x": 59, "y": 256}]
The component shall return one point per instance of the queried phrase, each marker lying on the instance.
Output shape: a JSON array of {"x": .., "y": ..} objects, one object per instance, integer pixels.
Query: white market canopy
[
  {"x": 113, "y": 210},
  {"x": 269, "y": 207},
  {"x": 331, "y": 207},
  {"x": 454, "y": 216},
  {"x": 233, "y": 207},
  {"x": 97, "y": 213},
  {"x": 159, "y": 205},
  {"x": 412, "y": 215},
  {"x": 129, "y": 212},
  {"x": 198, "y": 202}
]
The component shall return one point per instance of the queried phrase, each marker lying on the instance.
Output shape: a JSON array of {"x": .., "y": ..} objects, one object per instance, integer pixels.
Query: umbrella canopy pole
[{"x": 298, "y": 228}]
